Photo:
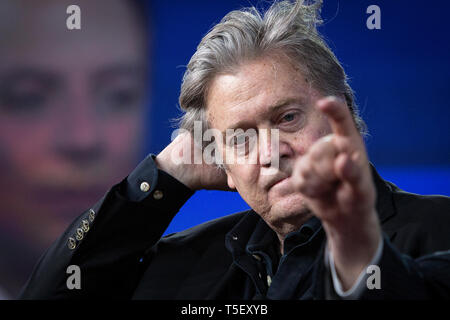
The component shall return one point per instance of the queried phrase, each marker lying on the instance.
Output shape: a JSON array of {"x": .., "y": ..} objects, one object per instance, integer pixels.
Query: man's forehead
[{"x": 254, "y": 91}]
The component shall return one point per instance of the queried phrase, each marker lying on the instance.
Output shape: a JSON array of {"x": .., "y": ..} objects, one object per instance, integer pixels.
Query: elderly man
[{"x": 320, "y": 218}]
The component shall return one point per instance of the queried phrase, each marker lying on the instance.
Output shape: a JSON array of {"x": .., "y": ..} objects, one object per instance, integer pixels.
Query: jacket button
[
  {"x": 145, "y": 186},
  {"x": 158, "y": 194},
  {"x": 234, "y": 237},
  {"x": 71, "y": 243},
  {"x": 79, "y": 234},
  {"x": 269, "y": 280},
  {"x": 257, "y": 257},
  {"x": 91, "y": 215},
  {"x": 85, "y": 225}
]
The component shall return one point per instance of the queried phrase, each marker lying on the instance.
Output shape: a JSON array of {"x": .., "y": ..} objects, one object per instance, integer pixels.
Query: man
[
  {"x": 321, "y": 216},
  {"x": 72, "y": 110}
]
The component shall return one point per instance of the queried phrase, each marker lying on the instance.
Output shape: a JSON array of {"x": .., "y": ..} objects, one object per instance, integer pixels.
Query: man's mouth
[{"x": 279, "y": 179}]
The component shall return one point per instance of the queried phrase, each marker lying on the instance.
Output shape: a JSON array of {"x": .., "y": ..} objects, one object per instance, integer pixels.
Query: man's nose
[
  {"x": 265, "y": 150},
  {"x": 272, "y": 148}
]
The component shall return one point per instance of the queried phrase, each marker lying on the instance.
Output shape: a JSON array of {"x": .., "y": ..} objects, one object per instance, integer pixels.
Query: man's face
[
  {"x": 71, "y": 104},
  {"x": 268, "y": 93}
]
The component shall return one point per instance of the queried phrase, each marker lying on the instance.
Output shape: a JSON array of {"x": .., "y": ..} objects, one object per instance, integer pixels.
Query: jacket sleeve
[
  {"x": 402, "y": 277},
  {"x": 396, "y": 276},
  {"x": 415, "y": 263},
  {"x": 108, "y": 241}
]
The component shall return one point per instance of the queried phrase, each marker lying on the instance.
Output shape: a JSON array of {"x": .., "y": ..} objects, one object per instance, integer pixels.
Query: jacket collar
[{"x": 385, "y": 202}]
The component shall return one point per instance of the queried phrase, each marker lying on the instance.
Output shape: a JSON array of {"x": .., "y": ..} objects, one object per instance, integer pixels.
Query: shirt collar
[{"x": 252, "y": 235}]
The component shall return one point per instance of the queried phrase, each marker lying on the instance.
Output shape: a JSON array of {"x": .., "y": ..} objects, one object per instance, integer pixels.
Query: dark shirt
[{"x": 255, "y": 249}]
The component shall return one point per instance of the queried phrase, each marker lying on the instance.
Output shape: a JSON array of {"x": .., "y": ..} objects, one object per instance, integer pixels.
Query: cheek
[
  {"x": 304, "y": 139},
  {"x": 319, "y": 126},
  {"x": 245, "y": 177},
  {"x": 246, "y": 180}
]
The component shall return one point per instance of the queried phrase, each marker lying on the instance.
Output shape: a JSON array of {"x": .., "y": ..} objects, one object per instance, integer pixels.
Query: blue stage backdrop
[{"x": 400, "y": 74}]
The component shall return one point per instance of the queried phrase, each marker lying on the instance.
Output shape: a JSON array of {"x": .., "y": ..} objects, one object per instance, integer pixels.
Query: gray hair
[{"x": 243, "y": 35}]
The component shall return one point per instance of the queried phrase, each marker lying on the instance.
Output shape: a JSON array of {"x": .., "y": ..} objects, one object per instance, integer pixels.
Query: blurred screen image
[{"x": 72, "y": 106}]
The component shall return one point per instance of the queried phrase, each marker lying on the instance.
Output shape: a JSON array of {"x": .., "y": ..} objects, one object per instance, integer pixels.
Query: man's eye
[
  {"x": 238, "y": 140},
  {"x": 289, "y": 117},
  {"x": 291, "y": 121}
]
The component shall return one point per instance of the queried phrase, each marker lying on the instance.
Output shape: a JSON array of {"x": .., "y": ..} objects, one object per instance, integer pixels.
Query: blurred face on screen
[{"x": 71, "y": 110}]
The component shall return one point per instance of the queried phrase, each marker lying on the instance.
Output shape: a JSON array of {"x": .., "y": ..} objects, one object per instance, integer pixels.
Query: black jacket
[{"x": 122, "y": 255}]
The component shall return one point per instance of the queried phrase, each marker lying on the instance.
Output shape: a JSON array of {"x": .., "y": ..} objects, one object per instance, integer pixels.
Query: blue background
[{"x": 400, "y": 75}]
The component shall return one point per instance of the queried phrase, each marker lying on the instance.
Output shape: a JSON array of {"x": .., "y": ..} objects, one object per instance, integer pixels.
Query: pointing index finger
[{"x": 339, "y": 116}]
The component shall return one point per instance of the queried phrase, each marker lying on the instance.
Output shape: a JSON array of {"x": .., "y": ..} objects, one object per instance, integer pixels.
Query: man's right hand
[{"x": 194, "y": 176}]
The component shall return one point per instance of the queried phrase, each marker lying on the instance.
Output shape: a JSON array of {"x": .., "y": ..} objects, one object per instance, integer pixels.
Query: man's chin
[{"x": 289, "y": 207}]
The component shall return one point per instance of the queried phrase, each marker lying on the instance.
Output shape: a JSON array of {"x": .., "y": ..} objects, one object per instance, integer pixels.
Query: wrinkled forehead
[{"x": 256, "y": 88}]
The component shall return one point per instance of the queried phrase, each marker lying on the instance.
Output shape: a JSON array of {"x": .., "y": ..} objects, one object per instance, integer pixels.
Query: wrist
[
  {"x": 353, "y": 247},
  {"x": 176, "y": 171}
]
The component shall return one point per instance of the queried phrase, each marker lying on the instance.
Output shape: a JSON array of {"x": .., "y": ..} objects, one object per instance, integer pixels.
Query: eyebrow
[{"x": 286, "y": 102}]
